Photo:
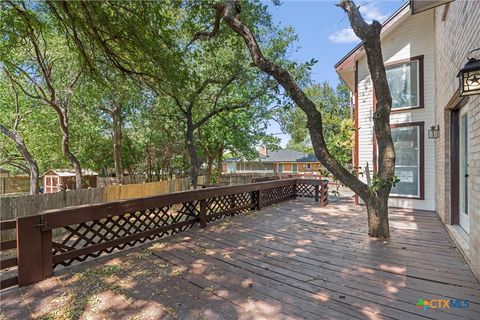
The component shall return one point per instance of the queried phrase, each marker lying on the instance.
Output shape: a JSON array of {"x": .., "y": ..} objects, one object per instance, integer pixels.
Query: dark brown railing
[{"x": 88, "y": 231}]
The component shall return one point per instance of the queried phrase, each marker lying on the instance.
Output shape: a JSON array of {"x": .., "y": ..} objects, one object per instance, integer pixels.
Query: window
[
  {"x": 405, "y": 81},
  {"x": 231, "y": 167},
  {"x": 294, "y": 167},
  {"x": 309, "y": 166},
  {"x": 408, "y": 142}
]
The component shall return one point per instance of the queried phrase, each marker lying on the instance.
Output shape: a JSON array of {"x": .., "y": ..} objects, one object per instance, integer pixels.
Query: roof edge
[{"x": 358, "y": 46}]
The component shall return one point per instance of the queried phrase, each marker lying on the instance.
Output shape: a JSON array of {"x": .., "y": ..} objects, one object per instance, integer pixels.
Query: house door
[
  {"x": 463, "y": 169},
  {"x": 280, "y": 168}
]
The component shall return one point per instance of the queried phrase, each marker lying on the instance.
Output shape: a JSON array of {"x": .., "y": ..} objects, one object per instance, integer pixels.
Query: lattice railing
[
  {"x": 89, "y": 231},
  {"x": 109, "y": 229}
]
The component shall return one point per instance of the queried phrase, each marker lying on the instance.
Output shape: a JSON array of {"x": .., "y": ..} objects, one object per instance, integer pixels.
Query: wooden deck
[{"x": 289, "y": 261}]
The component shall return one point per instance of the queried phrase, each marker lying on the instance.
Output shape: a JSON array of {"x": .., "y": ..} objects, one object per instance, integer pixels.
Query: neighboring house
[
  {"x": 424, "y": 48},
  {"x": 55, "y": 180},
  {"x": 274, "y": 162}
]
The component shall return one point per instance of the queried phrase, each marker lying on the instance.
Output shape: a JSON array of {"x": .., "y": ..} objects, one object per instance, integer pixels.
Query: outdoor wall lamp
[
  {"x": 469, "y": 75},
  {"x": 434, "y": 132}
]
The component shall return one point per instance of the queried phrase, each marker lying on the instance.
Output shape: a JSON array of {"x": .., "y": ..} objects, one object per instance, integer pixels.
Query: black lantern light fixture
[
  {"x": 434, "y": 132},
  {"x": 469, "y": 75}
]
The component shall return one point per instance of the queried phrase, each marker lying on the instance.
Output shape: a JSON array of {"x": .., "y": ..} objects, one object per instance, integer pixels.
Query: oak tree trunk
[
  {"x": 22, "y": 149},
  {"x": 117, "y": 142},
  {"x": 376, "y": 200},
  {"x": 192, "y": 152},
  {"x": 208, "y": 177},
  {"x": 218, "y": 172},
  {"x": 377, "y": 210},
  {"x": 63, "y": 119}
]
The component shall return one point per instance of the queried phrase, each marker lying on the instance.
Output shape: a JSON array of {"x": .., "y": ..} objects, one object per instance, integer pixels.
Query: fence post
[
  {"x": 203, "y": 213},
  {"x": 259, "y": 200},
  {"x": 34, "y": 250},
  {"x": 316, "y": 192}
]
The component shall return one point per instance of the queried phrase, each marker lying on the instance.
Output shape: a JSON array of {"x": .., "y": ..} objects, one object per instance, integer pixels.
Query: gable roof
[
  {"x": 282, "y": 155},
  {"x": 345, "y": 67},
  {"x": 401, "y": 11},
  {"x": 69, "y": 172}
]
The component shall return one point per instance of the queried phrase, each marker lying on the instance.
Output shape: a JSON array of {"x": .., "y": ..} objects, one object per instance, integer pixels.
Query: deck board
[{"x": 294, "y": 260}]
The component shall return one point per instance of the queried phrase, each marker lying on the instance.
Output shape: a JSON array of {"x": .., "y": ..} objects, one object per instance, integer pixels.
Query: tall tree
[
  {"x": 201, "y": 79},
  {"x": 15, "y": 135},
  {"x": 375, "y": 198},
  {"x": 39, "y": 74}
]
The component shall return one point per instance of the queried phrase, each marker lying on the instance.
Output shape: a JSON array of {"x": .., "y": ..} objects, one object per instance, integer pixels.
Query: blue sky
[{"x": 324, "y": 34}]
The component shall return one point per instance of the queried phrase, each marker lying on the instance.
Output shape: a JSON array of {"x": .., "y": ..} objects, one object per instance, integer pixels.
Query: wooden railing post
[
  {"x": 316, "y": 193},
  {"x": 324, "y": 193},
  {"x": 259, "y": 200},
  {"x": 34, "y": 250},
  {"x": 203, "y": 213}
]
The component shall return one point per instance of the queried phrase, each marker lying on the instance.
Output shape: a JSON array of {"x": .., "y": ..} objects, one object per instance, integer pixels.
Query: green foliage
[
  {"x": 337, "y": 124},
  {"x": 379, "y": 183},
  {"x": 142, "y": 54}
]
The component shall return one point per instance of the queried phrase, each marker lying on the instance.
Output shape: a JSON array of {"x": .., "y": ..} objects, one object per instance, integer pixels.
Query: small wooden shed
[{"x": 55, "y": 180}]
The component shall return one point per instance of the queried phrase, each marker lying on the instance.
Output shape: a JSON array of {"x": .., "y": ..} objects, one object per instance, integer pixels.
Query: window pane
[
  {"x": 407, "y": 168},
  {"x": 403, "y": 84}
]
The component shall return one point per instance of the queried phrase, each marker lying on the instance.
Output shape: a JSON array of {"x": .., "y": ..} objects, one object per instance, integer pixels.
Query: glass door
[{"x": 463, "y": 170}]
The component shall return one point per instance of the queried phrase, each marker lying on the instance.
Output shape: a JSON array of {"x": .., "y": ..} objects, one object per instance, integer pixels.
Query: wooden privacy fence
[
  {"x": 14, "y": 184},
  {"x": 26, "y": 205},
  {"x": 131, "y": 191},
  {"x": 89, "y": 231}
]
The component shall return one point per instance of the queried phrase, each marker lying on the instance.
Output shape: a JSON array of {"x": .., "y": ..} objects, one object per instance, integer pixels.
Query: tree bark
[
  {"x": 192, "y": 151},
  {"x": 377, "y": 209},
  {"x": 208, "y": 178},
  {"x": 63, "y": 120},
  {"x": 22, "y": 148},
  {"x": 218, "y": 173},
  {"x": 376, "y": 201},
  {"x": 116, "y": 114}
]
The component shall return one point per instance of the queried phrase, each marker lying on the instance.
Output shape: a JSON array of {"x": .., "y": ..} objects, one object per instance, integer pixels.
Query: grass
[{"x": 209, "y": 289}]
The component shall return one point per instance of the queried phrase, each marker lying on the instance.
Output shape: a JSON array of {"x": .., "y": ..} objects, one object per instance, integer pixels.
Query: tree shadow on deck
[{"x": 292, "y": 260}]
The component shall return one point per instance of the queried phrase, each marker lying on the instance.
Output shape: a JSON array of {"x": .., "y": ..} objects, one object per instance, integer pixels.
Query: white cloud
[
  {"x": 343, "y": 36},
  {"x": 371, "y": 11}
]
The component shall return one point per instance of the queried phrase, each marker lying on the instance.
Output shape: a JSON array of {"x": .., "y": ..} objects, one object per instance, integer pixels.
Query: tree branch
[
  {"x": 227, "y": 108},
  {"x": 201, "y": 88},
  {"x": 217, "y": 96},
  {"x": 230, "y": 15},
  {"x": 205, "y": 34}
]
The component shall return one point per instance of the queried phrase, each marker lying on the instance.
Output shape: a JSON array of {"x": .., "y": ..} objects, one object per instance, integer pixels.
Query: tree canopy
[{"x": 124, "y": 88}]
